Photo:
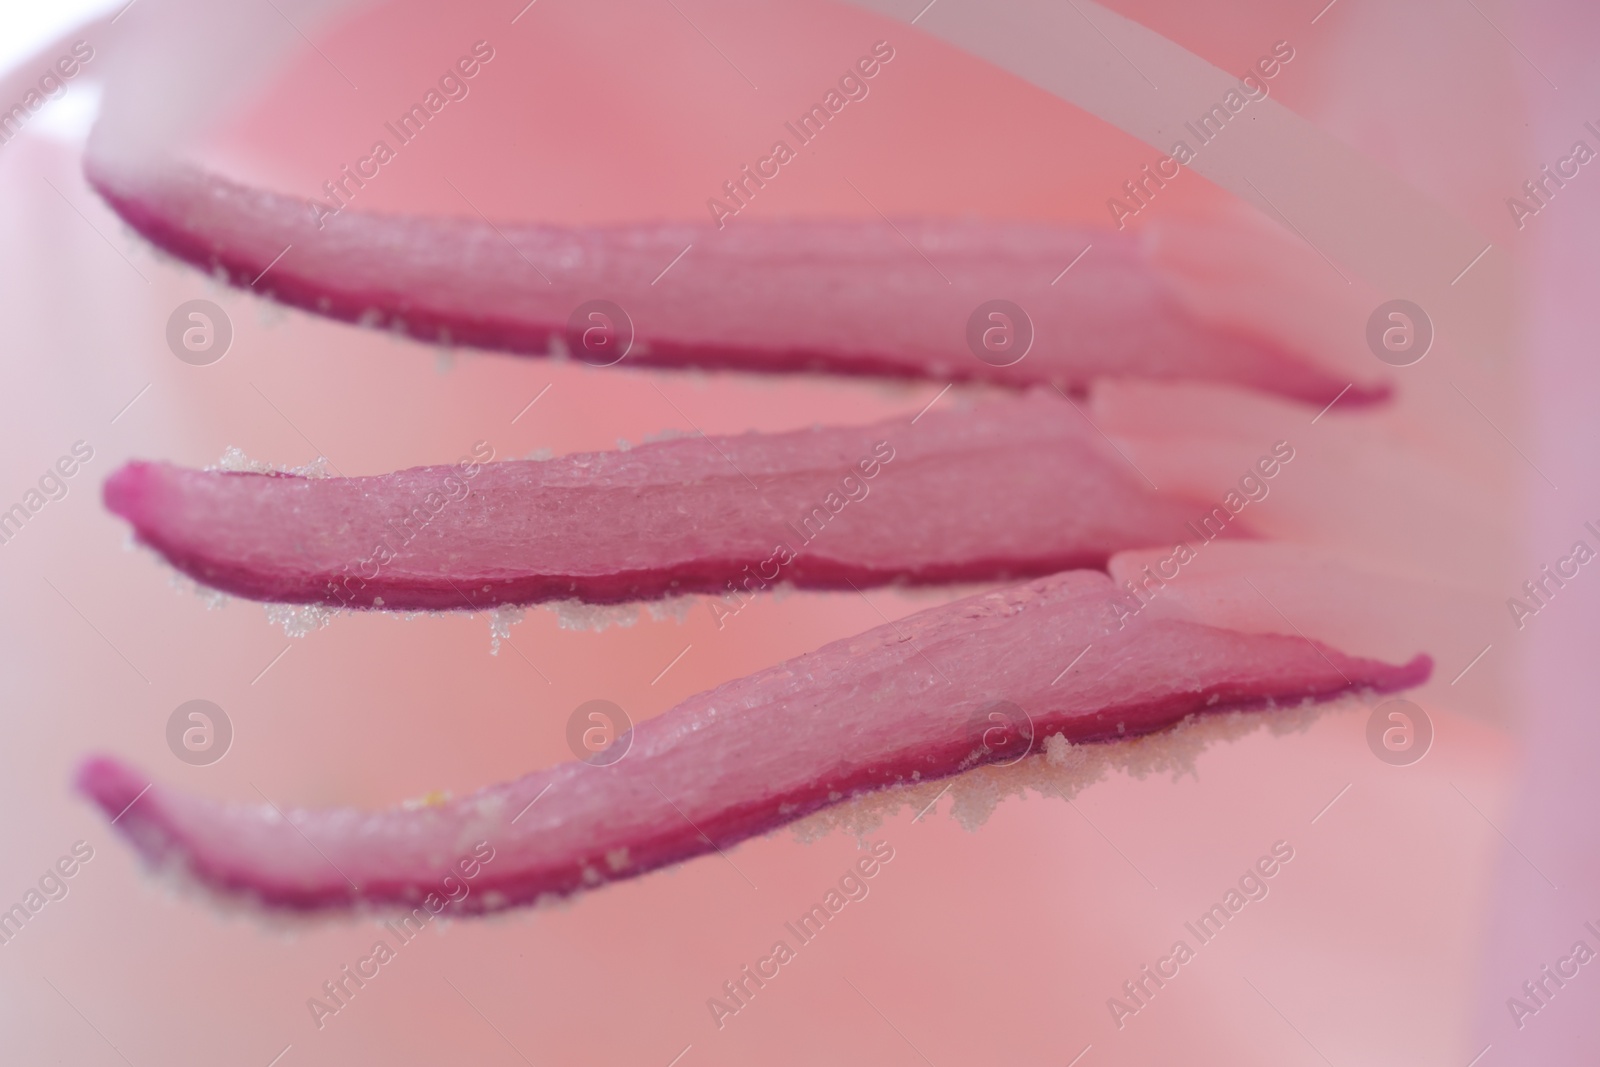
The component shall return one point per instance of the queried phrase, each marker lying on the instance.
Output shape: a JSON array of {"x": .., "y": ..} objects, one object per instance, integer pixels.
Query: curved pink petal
[
  {"x": 1014, "y": 488},
  {"x": 843, "y": 297},
  {"x": 898, "y": 704}
]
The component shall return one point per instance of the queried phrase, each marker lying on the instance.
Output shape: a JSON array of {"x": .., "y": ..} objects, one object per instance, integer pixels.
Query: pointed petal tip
[
  {"x": 110, "y": 784},
  {"x": 1374, "y": 393},
  {"x": 1413, "y": 673}
]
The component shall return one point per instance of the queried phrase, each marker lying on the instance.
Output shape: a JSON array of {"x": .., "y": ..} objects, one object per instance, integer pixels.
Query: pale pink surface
[
  {"x": 1012, "y": 488},
  {"x": 1547, "y": 881},
  {"x": 1370, "y": 951}
]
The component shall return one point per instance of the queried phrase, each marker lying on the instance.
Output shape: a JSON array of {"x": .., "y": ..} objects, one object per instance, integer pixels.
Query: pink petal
[
  {"x": 901, "y": 703},
  {"x": 1014, "y": 488},
  {"x": 845, "y": 297}
]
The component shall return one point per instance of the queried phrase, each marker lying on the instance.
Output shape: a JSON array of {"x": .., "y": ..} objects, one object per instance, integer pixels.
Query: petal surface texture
[
  {"x": 1015, "y": 488},
  {"x": 847, "y": 297},
  {"x": 906, "y": 702}
]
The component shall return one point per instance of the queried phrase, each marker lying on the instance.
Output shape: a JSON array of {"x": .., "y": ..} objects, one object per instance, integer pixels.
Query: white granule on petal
[
  {"x": 675, "y": 608},
  {"x": 234, "y": 460},
  {"x": 1063, "y": 769},
  {"x": 298, "y": 620},
  {"x": 501, "y": 620},
  {"x": 576, "y": 615}
]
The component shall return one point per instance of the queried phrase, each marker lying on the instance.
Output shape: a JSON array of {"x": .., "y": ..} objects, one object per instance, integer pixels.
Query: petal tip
[
  {"x": 126, "y": 489},
  {"x": 1414, "y": 672},
  {"x": 110, "y": 784}
]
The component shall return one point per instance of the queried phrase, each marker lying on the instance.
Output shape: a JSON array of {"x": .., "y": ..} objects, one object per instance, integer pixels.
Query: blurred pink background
[{"x": 1415, "y": 904}]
